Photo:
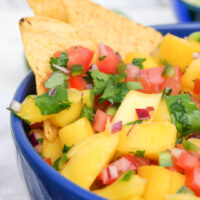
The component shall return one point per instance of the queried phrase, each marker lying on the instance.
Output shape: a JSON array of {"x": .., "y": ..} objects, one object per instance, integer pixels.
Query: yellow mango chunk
[
  {"x": 90, "y": 156},
  {"x": 86, "y": 98},
  {"x": 134, "y": 198},
  {"x": 52, "y": 150},
  {"x": 70, "y": 114},
  {"x": 75, "y": 132},
  {"x": 181, "y": 197},
  {"x": 122, "y": 189},
  {"x": 177, "y": 51},
  {"x": 162, "y": 113},
  {"x": 126, "y": 111},
  {"x": 148, "y": 63},
  {"x": 159, "y": 180},
  {"x": 195, "y": 141},
  {"x": 152, "y": 138},
  {"x": 192, "y": 73},
  {"x": 30, "y": 112}
]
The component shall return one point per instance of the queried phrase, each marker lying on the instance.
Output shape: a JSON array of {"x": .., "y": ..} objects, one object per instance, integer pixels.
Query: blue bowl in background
[
  {"x": 186, "y": 12},
  {"x": 41, "y": 180}
]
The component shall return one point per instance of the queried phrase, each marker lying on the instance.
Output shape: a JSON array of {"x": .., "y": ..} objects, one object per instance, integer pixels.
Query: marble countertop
[{"x": 13, "y": 70}]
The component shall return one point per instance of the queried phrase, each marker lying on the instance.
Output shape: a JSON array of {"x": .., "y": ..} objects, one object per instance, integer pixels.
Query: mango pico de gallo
[{"x": 132, "y": 124}]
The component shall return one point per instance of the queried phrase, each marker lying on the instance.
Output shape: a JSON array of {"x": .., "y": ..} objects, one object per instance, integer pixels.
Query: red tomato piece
[
  {"x": 193, "y": 180},
  {"x": 132, "y": 72},
  {"x": 197, "y": 87},
  {"x": 78, "y": 55},
  {"x": 187, "y": 161},
  {"x": 48, "y": 160},
  {"x": 110, "y": 63},
  {"x": 77, "y": 82},
  {"x": 100, "y": 120},
  {"x": 174, "y": 82},
  {"x": 102, "y": 106},
  {"x": 123, "y": 164}
]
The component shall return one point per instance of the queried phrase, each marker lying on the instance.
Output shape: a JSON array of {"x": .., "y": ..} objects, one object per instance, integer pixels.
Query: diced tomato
[
  {"x": 123, "y": 164},
  {"x": 102, "y": 106},
  {"x": 78, "y": 55},
  {"x": 100, "y": 120},
  {"x": 174, "y": 82},
  {"x": 109, "y": 63},
  {"x": 197, "y": 87},
  {"x": 77, "y": 82},
  {"x": 187, "y": 161},
  {"x": 36, "y": 125},
  {"x": 193, "y": 180},
  {"x": 132, "y": 72},
  {"x": 48, "y": 160}
]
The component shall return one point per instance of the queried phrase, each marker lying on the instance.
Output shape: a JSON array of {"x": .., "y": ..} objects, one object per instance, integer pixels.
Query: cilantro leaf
[
  {"x": 66, "y": 148},
  {"x": 40, "y": 140},
  {"x": 87, "y": 112},
  {"x": 127, "y": 175},
  {"x": 184, "y": 113},
  {"x": 88, "y": 78},
  {"x": 56, "y": 79},
  {"x": 60, "y": 61},
  {"x": 102, "y": 58},
  {"x": 134, "y": 85},
  {"x": 53, "y": 104},
  {"x": 122, "y": 75},
  {"x": 140, "y": 153},
  {"x": 133, "y": 123},
  {"x": 139, "y": 62}
]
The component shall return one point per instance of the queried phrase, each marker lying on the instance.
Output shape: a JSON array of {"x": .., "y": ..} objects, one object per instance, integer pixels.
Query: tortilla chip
[
  {"x": 49, "y": 8},
  {"x": 119, "y": 32},
  {"x": 42, "y": 37}
]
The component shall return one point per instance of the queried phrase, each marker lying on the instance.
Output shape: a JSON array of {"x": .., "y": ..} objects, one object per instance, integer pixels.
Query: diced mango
[
  {"x": 52, "y": 150},
  {"x": 181, "y": 197},
  {"x": 75, "y": 132},
  {"x": 152, "y": 138},
  {"x": 122, "y": 189},
  {"x": 88, "y": 157},
  {"x": 70, "y": 114},
  {"x": 162, "y": 113},
  {"x": 159, "y": 180},
  {"x": 30, "y": 112},
  {"x": 177, "y": 51},
  {"x": 133, "y": 198},
  {"x": 195, "y": 141},
  {"x": 148, "y": 63},
  {"x": 126, "y": 112},
  {"x": 86, "y": 99},
  {"x": 192, "y": 73}
]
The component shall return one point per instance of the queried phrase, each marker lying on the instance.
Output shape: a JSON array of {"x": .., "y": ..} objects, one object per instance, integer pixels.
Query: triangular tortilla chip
[
  {"x": 49, "y": 8},
  {"x": 42, "y": 37},
  {"x": 103, "y": 25}
]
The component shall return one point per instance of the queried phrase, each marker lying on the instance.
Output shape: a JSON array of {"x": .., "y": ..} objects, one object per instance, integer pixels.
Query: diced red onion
[
  {"x": 52, "y": 91},
  {"x": 63, "y": 69},
  {"x": 176, "y": 152},
  {"x": 112, "y": 170},
  {"x": 142, "y": 113},
  {"x": 93, "y": 67},
  {"x": 194, "y": 135},
  {"x": 38, "y": 148},
  {"x": 89, "y": 86},
  {"x": 116, "y": 127},
  {"x": 15, "y": 106},
  {"x": 150, "y": 108},
  {"x": 102, "y": 50},
  {"x": 33, "y": 139},
  {"x": 196, "y": 55}
]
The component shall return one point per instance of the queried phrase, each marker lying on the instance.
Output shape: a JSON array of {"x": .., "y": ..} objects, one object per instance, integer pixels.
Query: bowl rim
[{"x": 39, "y": 166}]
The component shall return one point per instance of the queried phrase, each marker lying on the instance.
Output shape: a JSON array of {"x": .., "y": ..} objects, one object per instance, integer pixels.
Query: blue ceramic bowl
[
  {"x": 186, "y": 12},
  {"x": 42, "y": 181}
]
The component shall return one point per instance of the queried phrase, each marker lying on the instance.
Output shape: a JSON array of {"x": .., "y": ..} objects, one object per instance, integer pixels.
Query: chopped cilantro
[
  {"x": 66, "y": 148},
  {"x": 76, "y": 70},
  {"x": 185, "y": 190},
  {"x": 87, "y": 112},
  {"x": 102, "y": 58},
  {"x": 40, "y": 140},
  {"x": 60, "y": 61},
  {"x": 56, "y": 164},
  {"x": 139, "y": 62},
  {"x": 134, "y": 85},
  {"x": 127, "y": 175},
  {"x": 56, "y": 79},
  {"x": 166, "y": 92},
  {"x": 53, "y": 104},
  {"x": 60, "y": 162},
  {"x": 169, "y": 71},
  {"x": 184, "y": 113},
  {"x": 140, "y": 153},
  {"x": 88, "y": 78},
  {"x": 122, "y": 75},
  {"x": 133, "y": 123}
]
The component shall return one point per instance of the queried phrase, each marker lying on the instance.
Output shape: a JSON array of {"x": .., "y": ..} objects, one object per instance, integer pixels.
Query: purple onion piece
[
  {"x": 194, "y": 135},
  {"x": 33, "y": 140},
  {"x": 63, "y": 69},
  {"x": 116, "y": 127}
]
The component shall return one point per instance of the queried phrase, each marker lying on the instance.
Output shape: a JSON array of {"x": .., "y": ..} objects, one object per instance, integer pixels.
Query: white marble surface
[{"x": 12, "y": 71}]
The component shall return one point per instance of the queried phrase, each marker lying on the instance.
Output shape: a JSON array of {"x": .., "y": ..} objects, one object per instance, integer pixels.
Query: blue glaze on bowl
[{"x": 42, "y": 181}]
